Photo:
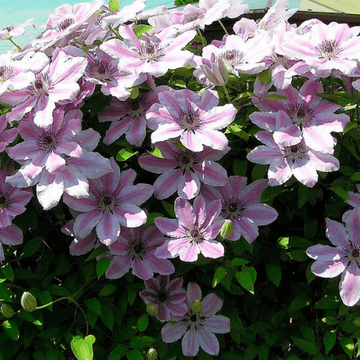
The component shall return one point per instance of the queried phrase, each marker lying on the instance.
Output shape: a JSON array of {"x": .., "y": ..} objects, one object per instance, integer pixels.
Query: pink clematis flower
[
  {"x": 242, "y": 205},
  {"x": 168, "y": 296},
  {"x": 49, "y": 86},
  {"x": 194, "y": 119},
  {"x": 325, "y": 49},
  {"x": 154, "y": 55},
  {"x": 58, "y": 158},
  {"x": 183, "y": 170},
  {"x": 128, "y": 117},
  {"x": 10, "y": 31},
  {"x": 113, "y": 201},
  {"x": 342, "y": 259},
  {"x": 298, "y": 160},
  {"x": 310, "y": 113},
  {"x": 198, "y": 326},
  {"x": 135, "y": 249},
  {"x": 193, "y": 232}
]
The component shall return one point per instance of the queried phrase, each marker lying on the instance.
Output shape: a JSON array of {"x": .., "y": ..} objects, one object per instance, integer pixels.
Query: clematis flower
[
  {"x": 298, "y": 160},
  {"x": 9, "y": 235},
  {"x": 325, "y": 49},
  {"x": 154, "y": 55},
  {"x": 193, "y": 232},
  {"x": 342, "y": 259},
  {"x": 113, "y": 202},
  {"x": 128, "y": 117},
  {"x": 10, "y": 31},
  {"x": 49, "y": 86},
  {"x": 6, "y": 136},
  {"x": 311, "y": 114},
  {"x": 135, "y": 249},
  {"x": 58, "y": 158},
  {"x": 168, "y": 296},
  {"x": 242, "y": 205},
  {"x": 198, "y": 326},
  {"x": 183, "y": 170},
  {"x": 194, "y": 119}
]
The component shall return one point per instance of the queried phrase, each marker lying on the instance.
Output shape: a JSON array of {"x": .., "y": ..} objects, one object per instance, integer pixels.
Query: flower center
[
  {"x": 9, "y": 28},
  {"x": 162, "y": 296},
  {"x": 354, "y": 253},
  {"x": 107, "y": 203},
  {"x": 150, "y": 52},
  {"x": 231, "y": 57},
  {"x": 195, "y": 235},
  {"x": 41, "y": 85},
  {"x": 329, "y": 49},
  {"x": 2, "y": 202},
  {"x": 233, "y": 208},
  {"x": 138, "y": 249},
  {"x": 190, "y": 121},
  {"x": 64, "y": 24},
  {"x": 47, "y": 142},
  {"x": 300, "y": 113},
  {"x": 295, "y": 152},
  {"x": 5, "y": 73},
  {"x": 102, "y": 70}
]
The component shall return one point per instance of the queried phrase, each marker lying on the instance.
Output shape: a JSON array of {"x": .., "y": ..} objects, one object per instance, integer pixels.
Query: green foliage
[{"x": 184, "y": 2}]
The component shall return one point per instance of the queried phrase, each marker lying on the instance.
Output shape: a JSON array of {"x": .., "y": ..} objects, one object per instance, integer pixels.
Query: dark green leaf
[
  {"x": 108, "y": 290},
  {"x": 8, "y": 272},
  {"x": 328, "y": 302},
  {"x": 300, "y": 301},
  {"x": 134, "y": 355},
  {"x": 102, "y": 265},
  {"x": 273, "y": 272},
  {"x": 93, "y": 305},
  {"x": 220, "y": 273},
  {"x": 107, "y": 317},
  {"x": 143, "y": 322},
  {"x": 32, "y": 246},
  {"x": 305, "y": 346},
  {"x": 348, "y": 346},
  {"x": 329, "y": 340},
  {"x": 265, "y": 76},
  {"x": 96, "y": 252},
  {"x": 11, "y": 329},
  {"x": 118, "y": 353},
  {"x": 246, "y": 278}
]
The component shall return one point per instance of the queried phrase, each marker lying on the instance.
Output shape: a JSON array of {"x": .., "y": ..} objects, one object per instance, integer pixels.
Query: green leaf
[
  {"x": 305, "y": 346},
  {"x": 131, "y": 294},
  {"x": 330, "y": 320},
  {"x": 284, "y": 242},
  {"x": 114, "y": 5},
  {"x": 276, "y": 97},
  {"x": 11, "y": 329},
  {"x": 93, "y": 305},
  {"x": 239, "y": 262},
  {"x": 118, "y": 353},
  {"x": 339, "y": 191},
  {"x": 82, "y": 348},
  {"x": 259, "y": 172},
  {"x": 251, "y": 352},
  {"x": 32, "y": 246},
  {"x": 329, "y": 340},
  {"x": 348, "y": 346},
  {"x": 273, "y": 272},
  {"x": 8, "y": 272},
  {"x": 125, "y": 154},
  {"x": 102, "y": 265},
  {"x": 300, "y": 301},
  {"x": 263, "y": 352},
  {"x": 298, "y": 255},
  {"x": 169, "y": 208},
  {"x": 108, "y": 290},
  {"x": 304, "y": 195},
  {"x": 134, "y": 355},
  {"x": 355, "y": 176},
  {"x": 328, "y": 302},
  {"x": 220, "y": 273},
  {"x": 143, "y": 322},
  {"x": 141, "y": 29},
  {"x": 246, "y": 278},
  {"x": 98, "y": 251},
  {"x": 107, "y": 317},
  {"x": 156, "y": 152},
  {"x": 265, "y": 76}
]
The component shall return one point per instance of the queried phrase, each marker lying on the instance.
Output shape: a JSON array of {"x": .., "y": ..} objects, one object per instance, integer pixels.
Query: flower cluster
[{"x": 93, "y": 65}]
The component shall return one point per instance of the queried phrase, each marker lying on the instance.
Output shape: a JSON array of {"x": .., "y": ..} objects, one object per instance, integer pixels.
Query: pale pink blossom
[
  {"x": 194, "y": 119},
  {"x": 342, "y": 259},
  {"x": 193, "y": 232},
  {"x": 135, "y": 249},
  {"x": 184, "y": 170},
  {"x": 197, "y": 327},
  {"x": 114, "y": 202}
]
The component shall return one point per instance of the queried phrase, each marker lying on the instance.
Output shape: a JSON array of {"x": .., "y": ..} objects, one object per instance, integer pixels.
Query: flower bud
[
  {"x": 227, "y": 229},
  {"x": 197, "y": 306},
  {"x": 7, "y": 310},
  {"x": 152, "y": 309},
  {"x": 28, "y": 302},
  {"x": 151, "y": 354}
]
